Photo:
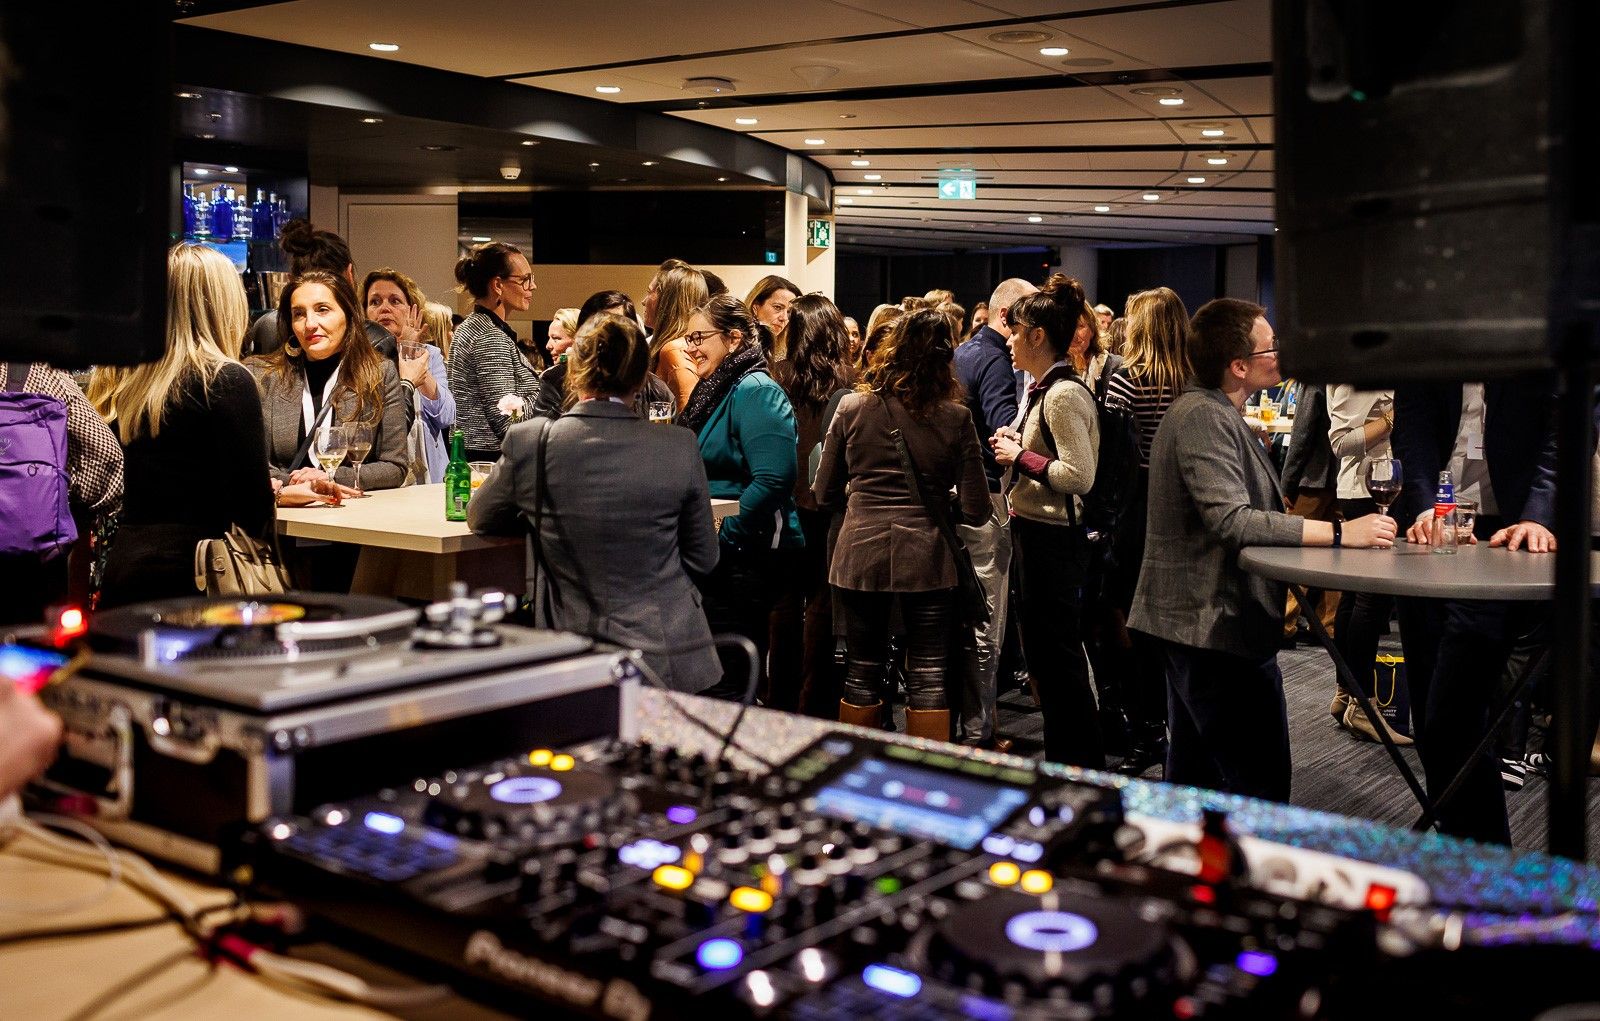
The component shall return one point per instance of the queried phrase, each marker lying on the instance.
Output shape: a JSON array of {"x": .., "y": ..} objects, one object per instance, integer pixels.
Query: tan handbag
[{"x": 238, "y": 565}]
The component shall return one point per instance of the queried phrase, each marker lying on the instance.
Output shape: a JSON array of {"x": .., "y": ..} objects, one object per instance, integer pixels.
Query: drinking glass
[
  {"x": 1466, "y": 517},
  {"x": 333, "y": 442},
  {"x": 1269, "y": 411},
  {"x": 1383, "y": 478},
  {"x": 359, "y": 445},
  {"x": 661, "y": 412},
  {"x": 480, "y": 472}
]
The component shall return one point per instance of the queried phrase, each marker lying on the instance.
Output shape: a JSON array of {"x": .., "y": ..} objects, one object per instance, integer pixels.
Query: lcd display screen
[{"x": 958, "y": 811}]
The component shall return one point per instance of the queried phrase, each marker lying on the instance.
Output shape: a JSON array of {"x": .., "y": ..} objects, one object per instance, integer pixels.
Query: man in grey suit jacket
[
  {"x": 1214, "y": 491},
  {"x": 627, "y": 513}
]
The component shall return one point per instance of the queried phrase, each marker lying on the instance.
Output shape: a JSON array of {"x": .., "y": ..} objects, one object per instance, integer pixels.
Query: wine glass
[
  {"x": 333, "y": 442},
  {"x": 1382, "y": 476},
  {"x": 661, "y": 412},
  {"x": 360, "y": 444}
]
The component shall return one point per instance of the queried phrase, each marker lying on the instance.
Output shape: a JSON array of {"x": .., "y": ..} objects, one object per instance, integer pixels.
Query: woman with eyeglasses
[
  {"x": 1050, "y": 465},
  {"x": 747, "y": 434},
  {"x": 890, "y": 547},
  {"x": 486, "y": 365}
]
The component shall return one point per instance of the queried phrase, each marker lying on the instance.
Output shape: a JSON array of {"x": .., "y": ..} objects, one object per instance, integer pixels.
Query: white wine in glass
[
  {"x": 360, "y": 437},
  {"x": 333, "y": 442}
]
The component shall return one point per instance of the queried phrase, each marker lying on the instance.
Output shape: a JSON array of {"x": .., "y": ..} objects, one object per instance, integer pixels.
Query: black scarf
[{"x": 709, "y": 393}]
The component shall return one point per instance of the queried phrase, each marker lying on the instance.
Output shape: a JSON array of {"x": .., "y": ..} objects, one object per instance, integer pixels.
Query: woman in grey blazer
[
  {"x": 623, "y": 511},
  {"x": 326, "y": 355}
]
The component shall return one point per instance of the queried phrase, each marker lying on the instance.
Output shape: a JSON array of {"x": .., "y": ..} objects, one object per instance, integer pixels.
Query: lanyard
[{"x": 307, "y": 412}]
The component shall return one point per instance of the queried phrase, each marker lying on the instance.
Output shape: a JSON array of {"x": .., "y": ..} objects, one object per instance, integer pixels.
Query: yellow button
[
  {"x": 748, "y": 898},
  {"x": 672, "y": 877},
  {"x": 562, "y": 763},
  {"x": 693, "y": 861},
  {"x": 1034, "y": 881},
  {"x": 1004, "y": 873},
  {"x": 772, "y": 883},
  {"x": 540, "y": 757}
]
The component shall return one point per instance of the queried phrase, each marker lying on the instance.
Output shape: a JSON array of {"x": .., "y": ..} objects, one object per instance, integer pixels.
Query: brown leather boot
[
  {"x": 933, "y": 724},
  {"x": 861, "y": 715}
]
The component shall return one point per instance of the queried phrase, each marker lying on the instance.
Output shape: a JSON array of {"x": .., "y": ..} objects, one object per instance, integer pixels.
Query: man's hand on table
[
  {"x": 1421, "y": 531},
  {"x": 1530, "y": 534}
]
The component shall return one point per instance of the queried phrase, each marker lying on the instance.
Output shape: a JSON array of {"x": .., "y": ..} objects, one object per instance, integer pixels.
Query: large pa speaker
[
  {"x": 85, "y": 173},
  {"x": 1428, "y": 166}
]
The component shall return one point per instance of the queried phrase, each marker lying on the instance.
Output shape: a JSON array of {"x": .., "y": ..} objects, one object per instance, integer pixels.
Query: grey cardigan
[
  {"x": 385, "y": 467},
  {"x": 1213, "y": 492},
  {"x": 631, "y": 518}
]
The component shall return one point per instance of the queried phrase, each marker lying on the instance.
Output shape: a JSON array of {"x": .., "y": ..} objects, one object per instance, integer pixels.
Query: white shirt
[
  {"x": 1467, "y": 464},
  {"x": 1349, "y": 411}
]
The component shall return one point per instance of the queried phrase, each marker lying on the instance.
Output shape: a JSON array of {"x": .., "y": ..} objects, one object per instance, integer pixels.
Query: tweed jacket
[
  {"x": 627, "y": 516},
  {"x": 887, "y": 541},
  {"x": 281, "y": 405},
  {"x": 1213, "y": 491},
  {"x": 485, "y": 366}
]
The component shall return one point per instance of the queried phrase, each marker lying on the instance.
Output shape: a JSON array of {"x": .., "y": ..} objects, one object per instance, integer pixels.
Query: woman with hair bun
[
  {"x": 621, "y": 508},
  {"x": 1051, "y": 465},
  {"x": 486, "y": 365}
]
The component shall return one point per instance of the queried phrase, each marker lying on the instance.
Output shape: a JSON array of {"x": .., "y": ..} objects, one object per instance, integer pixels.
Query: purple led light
[
  {"x": 682, "y": 815},
  {"x": 1255, "y": 963}
]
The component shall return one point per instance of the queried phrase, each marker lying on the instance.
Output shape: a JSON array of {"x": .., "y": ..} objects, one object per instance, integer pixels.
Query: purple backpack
[{"x": 35, "y": 517}]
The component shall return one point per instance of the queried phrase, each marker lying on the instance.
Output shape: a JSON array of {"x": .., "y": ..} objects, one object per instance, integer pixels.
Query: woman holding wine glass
[{"x": 1359, "y": 424}]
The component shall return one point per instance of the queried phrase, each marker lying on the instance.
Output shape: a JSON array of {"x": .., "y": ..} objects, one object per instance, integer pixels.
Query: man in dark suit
[
  {"x": 1214, "y": 491},
  {"x": 1496, "y": 440}
]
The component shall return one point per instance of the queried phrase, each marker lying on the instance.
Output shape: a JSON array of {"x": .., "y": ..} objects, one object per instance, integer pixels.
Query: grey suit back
[{"x": 1213, "y": 492}]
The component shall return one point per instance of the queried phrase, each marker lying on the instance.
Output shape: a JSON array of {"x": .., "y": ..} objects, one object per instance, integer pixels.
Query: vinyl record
[{"x": 205, "y": 628}]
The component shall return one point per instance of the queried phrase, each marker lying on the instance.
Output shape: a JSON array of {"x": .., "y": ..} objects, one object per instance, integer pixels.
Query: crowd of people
[{"x": 948, "y": 502}]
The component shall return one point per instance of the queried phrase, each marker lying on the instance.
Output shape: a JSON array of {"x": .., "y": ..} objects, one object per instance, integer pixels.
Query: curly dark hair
[
  {"x": 818, "y": 358},
  {"x": 913, "y": 363}
]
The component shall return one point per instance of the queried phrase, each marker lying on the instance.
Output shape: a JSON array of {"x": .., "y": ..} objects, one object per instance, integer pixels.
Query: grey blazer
[
  {"x": 1213, "y": 491},
  {"x": 385, "y": 466},
  {"x": 631, "y": 517}
]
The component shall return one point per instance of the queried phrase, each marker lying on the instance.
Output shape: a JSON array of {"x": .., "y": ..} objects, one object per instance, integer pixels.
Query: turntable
[{"x": 194, "y": 718}]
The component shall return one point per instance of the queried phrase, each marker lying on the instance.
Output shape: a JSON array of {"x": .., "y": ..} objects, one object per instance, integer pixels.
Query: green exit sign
[
  {"x": 958, "y": 188},
  {"x": 819, "y": 233}
]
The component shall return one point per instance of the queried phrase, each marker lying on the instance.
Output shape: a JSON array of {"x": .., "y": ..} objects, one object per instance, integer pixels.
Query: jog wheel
[{"x": 535, "y": 805}]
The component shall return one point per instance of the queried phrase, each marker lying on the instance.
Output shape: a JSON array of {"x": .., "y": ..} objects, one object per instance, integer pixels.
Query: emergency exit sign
[
  {"x": 820, "y": 233},
  {"x": 958, "y": 188}
]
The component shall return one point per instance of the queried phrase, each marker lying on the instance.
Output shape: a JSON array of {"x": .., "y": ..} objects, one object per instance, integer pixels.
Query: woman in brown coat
[{"x": 889, "y": 544}]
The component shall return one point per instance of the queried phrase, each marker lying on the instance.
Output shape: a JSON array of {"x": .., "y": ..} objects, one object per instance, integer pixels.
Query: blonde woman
[
  {"x": 438, "y": 323},
  {"x": 680, "y": 290},
  {"x": 193, "y": 414},
  {"x": 563, "y": 328}
]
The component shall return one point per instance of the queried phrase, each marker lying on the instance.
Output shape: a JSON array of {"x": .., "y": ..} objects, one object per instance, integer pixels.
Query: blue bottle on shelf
[
  {"x": 202, "y": 216},
  {"x": 261, "y": 215},
  {"x": 222, "y": 213},
  {"x": 188, "y": 210}
]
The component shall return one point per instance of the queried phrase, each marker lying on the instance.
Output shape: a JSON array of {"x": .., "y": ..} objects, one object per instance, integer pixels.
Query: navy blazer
[
  {"x": 983, "y": 365},
  {"x": 1518, "y": 442}
]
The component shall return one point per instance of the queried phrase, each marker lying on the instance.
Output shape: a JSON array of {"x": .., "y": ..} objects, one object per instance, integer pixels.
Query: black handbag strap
[{"x": 938, "y": 510}]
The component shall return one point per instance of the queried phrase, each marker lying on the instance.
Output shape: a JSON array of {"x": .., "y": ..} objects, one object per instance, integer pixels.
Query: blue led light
[
  {"x": 1255, "y": 963},
  {"x": 892, "y": 980},
  {"x": 980, "y": 1009},
  {"x": 719, "y": 954},
  {"x": 1051, "y": 931},
  {"x": 525, "y": 790},
  {"x": 383, "y": 822},
  {"x": 648, "y": 854},
  {"x": 682, "y": 815}
]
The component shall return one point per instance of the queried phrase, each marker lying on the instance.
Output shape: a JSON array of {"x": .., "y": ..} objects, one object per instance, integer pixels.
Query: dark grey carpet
[{"x": 1334, "y": 771}]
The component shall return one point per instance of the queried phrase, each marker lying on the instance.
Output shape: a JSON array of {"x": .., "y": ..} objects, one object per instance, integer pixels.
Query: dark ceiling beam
[
  {"x": 980, "y": 150},
  {"x": 1052, "y": 122},
  {"x": 898, "y": 33}
]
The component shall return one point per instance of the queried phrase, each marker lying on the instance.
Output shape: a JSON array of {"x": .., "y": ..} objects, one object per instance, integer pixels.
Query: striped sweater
[
  {"x": 485, "y": 366},
  {"x": 1149, "y": 405}
]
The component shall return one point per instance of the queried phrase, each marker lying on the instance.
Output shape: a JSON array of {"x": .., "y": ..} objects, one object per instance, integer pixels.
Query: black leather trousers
[{"x": 927, "y": 619}]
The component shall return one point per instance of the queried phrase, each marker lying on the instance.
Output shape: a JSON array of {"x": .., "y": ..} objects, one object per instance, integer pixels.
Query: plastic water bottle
[{"x": 1445, "y": 519}]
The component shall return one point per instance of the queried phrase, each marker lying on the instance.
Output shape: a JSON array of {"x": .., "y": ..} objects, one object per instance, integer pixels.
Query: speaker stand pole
[{"x": 1575, "y": 438}]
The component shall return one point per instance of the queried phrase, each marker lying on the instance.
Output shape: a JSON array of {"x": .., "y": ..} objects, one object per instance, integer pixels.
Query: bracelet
[{"x": 1338, "y": 533}]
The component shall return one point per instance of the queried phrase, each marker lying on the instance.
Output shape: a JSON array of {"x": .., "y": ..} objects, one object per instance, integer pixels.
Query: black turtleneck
[{"x": 317, "y": 376}]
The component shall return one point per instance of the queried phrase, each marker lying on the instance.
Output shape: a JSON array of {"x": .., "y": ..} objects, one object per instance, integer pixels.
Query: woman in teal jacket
[{"x": 747, "y": 440}]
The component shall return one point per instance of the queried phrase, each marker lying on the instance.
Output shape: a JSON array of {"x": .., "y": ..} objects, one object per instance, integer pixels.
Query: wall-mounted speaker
[
  {"x": 85, "y": 178},
  {"x": 1428, "y": 163}
]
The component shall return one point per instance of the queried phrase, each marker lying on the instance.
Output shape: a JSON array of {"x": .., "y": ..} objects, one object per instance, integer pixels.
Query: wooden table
[{"x": 409, "y": 550}]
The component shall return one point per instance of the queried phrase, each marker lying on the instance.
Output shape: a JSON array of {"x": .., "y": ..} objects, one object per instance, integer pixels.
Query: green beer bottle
[{"x": 457, "y": 479}]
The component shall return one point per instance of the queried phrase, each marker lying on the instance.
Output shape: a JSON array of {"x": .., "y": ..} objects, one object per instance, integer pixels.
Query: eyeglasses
[
  {"x": 1264, "y": 351},
  {"x": 524, "y": 281},
  {"x": 700, "y": 337}
]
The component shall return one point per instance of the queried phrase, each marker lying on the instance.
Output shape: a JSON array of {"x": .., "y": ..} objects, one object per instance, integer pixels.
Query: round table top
[
  {"x": 1276, "y": 426},
  {"x": 1474, "y": 572}
]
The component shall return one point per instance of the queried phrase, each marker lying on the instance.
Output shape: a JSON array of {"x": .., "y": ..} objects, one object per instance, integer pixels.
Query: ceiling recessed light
[
  {"x": 530, "y": 141},
  {"x": 1197, "y": 180},
  {"x": 230, "y": 170},
  {"x": 1171, "y": 100},
  {"x": 1151, "y": 196},
  {"x": 483, "y": 239},
  {"x": 1102, "y": 209},
  {"x": 1020, "y": 36},
  {"x": 383, "y": 47},
  {"x": 1035, "y": 219},
  {"x": 847, "y": 116},
  {"x": 872, "y": 177},
  {"x": 722, "y": 178},
  {"x": 201, "y": 171},
  {"x": 608, "y": 90},
  {"x": 1054, "y": 51},
  {"x": 650, "y": 163},
  {"x": 846, "y": 201},
  {"x": 1212, "y": 133},
  {"x": 864, "y": 191},
  {"x": 372, "y": 120},
  {"x": 816, "y": 141},
  {"x": 1156, "y": 90},
  {"x": 861, "y": 163},
  {"x": 593, "y": 165},
  {"x": 187, "y": 95},
  {"x": 207, "y": 134},
  {"x": 439, "y": 147},
  {"x": 1219, "y": 160},
  {"x": 747, "y": 120}
]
